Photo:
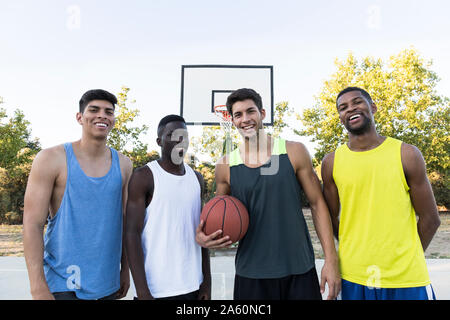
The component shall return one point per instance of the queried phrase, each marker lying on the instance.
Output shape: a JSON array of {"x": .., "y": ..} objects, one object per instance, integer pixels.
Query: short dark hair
[
  {"x": 167, "y": 119},
  {"x": 241, "y": 95},
  {"x": 96, "y": 94},
  {"x": 348, "y": 89}
]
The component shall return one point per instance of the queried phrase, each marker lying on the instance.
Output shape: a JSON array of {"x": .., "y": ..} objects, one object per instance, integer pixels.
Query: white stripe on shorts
[{"x": 429, "y": 292}]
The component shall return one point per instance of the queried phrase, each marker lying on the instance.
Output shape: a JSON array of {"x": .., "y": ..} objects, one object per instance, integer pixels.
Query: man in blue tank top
[
  {"x": 163, "y": 211},
  {"x": 275, "y": 259},
  {"x": 80, "y": 188}
]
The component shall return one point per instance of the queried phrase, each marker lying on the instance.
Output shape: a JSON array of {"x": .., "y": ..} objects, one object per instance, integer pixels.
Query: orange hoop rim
[{"x": 222, "y": 112}]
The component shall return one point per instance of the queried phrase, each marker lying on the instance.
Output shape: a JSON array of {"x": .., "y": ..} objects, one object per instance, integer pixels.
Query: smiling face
[
  {"x": 247, "y": 118},
  {"x": 97, "y": 118},
  {"x": 356, "y": 112},
  {"x": 174, "y": 141}
]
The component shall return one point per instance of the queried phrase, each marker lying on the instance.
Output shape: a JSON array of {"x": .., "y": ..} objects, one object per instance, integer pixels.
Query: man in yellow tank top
[{"x": 374, "y": 187}]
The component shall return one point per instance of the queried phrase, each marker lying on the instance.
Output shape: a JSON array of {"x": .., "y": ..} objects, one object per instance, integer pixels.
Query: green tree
[
  {"x": 124, "y": 137},
  {"x": 16, "y": 145},
  {"x": 409, "y": 108},
  {"x": 17, "y": 151},
  {"x": 282, "y": 113},
  {"x": 12, "y": 190},
  {"x": 211, "y": 142},
  {"x": 207, "y": 170},
  {"x": 143, "y": 160}
]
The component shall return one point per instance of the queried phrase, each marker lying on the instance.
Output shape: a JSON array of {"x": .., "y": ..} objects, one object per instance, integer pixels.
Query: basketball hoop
[
  {"x": 225, "y": 123},
  {"x": 225, "y": 117}
]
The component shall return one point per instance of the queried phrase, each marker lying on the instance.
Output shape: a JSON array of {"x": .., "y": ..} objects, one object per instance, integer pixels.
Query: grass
[{"x": 11, "y": 240}]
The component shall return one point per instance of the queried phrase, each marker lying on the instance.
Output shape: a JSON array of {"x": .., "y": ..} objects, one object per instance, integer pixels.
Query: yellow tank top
[{"x": 378, "y": 241}]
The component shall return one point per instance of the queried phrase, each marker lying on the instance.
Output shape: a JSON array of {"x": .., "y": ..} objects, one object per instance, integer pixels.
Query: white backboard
[{"x": 206, "y": 86}]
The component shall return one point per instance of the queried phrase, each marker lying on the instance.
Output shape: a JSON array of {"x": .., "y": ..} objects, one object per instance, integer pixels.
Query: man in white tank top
[{"x": 163, "y": 211}]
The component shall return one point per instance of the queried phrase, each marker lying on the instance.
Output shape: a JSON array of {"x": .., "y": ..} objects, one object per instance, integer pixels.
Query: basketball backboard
[{"x": 205, "y": 86}]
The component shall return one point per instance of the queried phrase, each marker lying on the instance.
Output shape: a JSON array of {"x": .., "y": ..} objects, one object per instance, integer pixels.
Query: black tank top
[{"x": 277, "y": 243}]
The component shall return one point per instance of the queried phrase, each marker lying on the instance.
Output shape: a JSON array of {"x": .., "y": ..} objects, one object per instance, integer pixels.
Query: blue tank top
[{"x": 83, "y": 241}]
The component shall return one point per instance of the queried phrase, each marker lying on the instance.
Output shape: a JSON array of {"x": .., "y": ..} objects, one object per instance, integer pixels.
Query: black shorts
[
  {"x": 293, "y": 287},
  {"x": 70, "y": 295}
]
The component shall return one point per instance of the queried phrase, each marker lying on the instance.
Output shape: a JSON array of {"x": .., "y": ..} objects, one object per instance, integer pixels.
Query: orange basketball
[{"x": 225, "y": 213}]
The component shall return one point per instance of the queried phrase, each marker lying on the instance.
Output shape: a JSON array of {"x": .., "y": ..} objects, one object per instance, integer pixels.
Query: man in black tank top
[{"x": 275, "y": 259}]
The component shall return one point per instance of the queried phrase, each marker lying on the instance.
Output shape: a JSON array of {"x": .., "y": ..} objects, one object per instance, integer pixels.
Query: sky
[{"x": 51, "y": 52}]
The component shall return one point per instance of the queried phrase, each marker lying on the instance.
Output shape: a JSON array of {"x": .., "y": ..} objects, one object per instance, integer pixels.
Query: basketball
[{"x": 225, "y": 213}]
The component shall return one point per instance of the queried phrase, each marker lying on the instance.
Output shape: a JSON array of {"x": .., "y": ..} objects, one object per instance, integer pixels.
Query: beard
[{"x": 361, "y": 129}]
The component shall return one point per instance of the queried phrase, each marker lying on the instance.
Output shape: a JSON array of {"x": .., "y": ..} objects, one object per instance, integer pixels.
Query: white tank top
[{"x": 173, "y": 260}]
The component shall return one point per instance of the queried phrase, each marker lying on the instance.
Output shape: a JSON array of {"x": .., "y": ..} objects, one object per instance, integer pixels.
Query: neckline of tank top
[
  {"x": 381, "y": 146},
  {"x": 278, "y": 140},
  {"x": 175, "y": 176},
  {"x": 95, "y": 178}
]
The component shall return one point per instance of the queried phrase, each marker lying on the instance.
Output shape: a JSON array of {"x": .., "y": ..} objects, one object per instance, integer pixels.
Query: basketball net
[{"x": 225, "y": 123}]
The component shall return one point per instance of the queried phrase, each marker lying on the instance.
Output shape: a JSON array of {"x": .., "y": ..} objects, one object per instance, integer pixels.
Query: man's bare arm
[
  {"x": 421, "y": 194},
  {"x": 38, "y": 194},
  {"x": 126, "y": 169},
  {"x": 330, "y": 192},
  {"x": 222, "y": 176},
  {"x": 311, "y": 185},
  {"x": 140, "y": 187}
]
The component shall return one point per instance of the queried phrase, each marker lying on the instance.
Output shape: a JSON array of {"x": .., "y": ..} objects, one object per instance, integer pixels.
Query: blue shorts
[{"x": 354, "y": 291}]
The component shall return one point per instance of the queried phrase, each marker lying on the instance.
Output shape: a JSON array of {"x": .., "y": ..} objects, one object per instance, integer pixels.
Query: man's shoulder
[
  {"x": 52, "y": 155},
  {"x": 124, "y": 160},
  {"x": 55, "y": 150},
  {"x": 411, "y": 156},
  {"x": 328, "y": 158},
  {"x": 50, "y": 161},
  {"x": 144, "y": 172},
  {"x": 327, "y": 165},
  {"x": 224, "y": 160},
  {"x": 295, "y": 146},
  {"x": 222, "y": 171},
  {"x": 142, "y": 178},
  {"x": 409, "y": 147},
  {"x": 297, "y": 152}
]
